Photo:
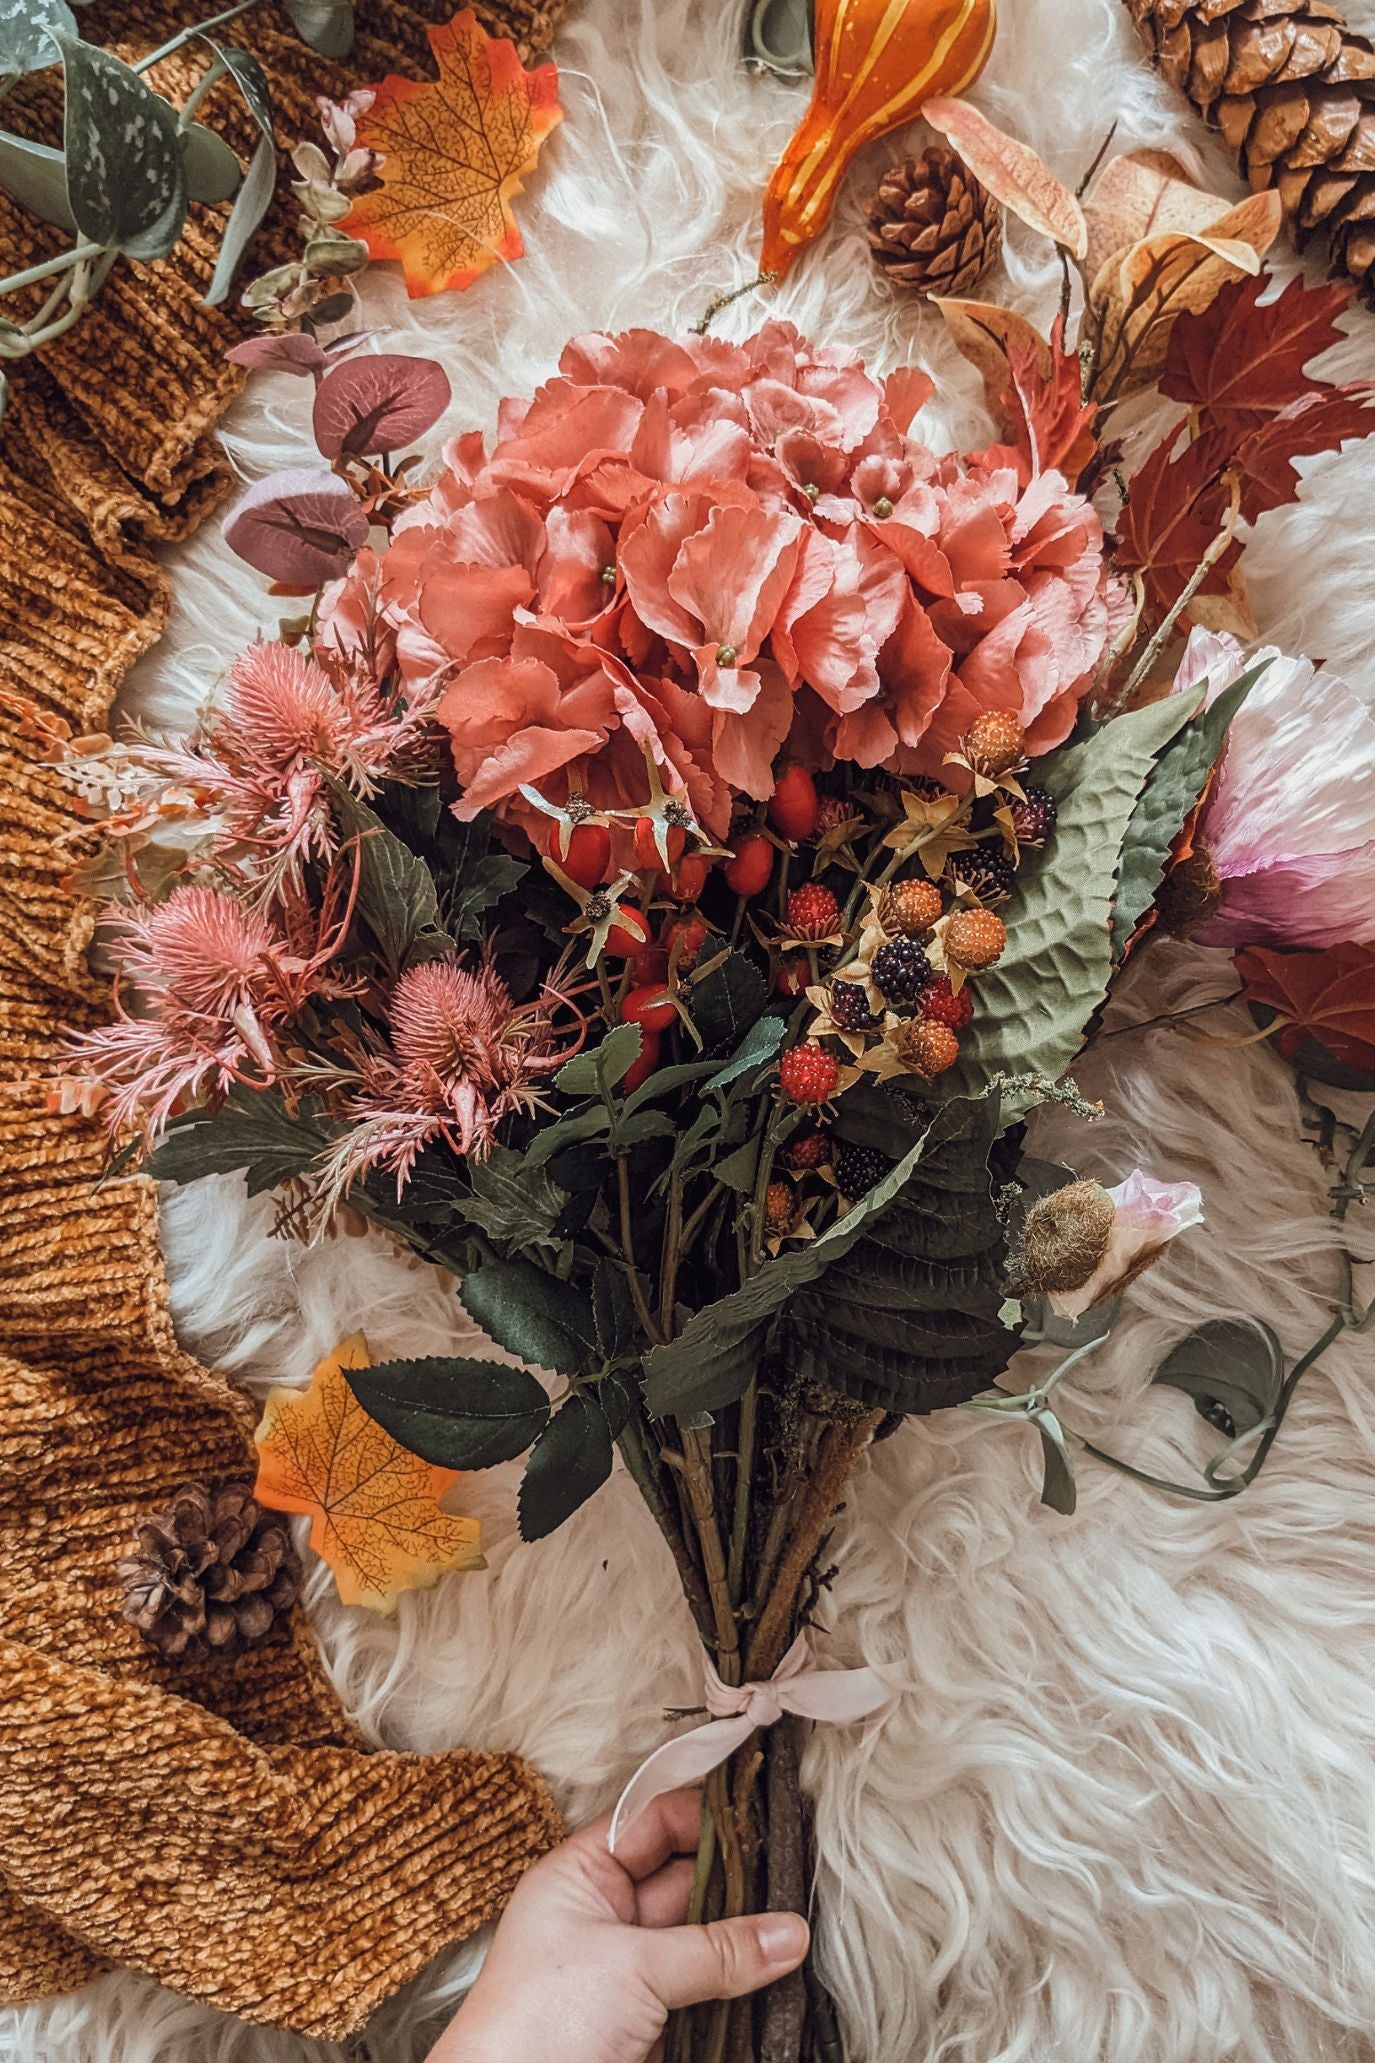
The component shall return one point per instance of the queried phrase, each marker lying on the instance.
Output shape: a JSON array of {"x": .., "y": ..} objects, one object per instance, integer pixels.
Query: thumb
[{"x": 724, "y": 1960}]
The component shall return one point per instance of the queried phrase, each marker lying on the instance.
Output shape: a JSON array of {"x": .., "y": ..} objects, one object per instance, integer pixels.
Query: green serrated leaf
[
  {"x": 1233, "y": 1368},
  {"x": 757, "y": 1047},
  {"x": 126, "y": 181},
  {"x": 1033, "y": 1006},
  {"x": 325, "y": 25},
  {"x": 480, "y": 888},
  {"x": 570, "y": 1461},
  {"x": 719, "y": 1349},
  {"x": 617, "y": 1395},
  {"x": 456, "y": 1413},
  {"x": 396, "y": 894},
  {"x": 726, "y": 1002},
  {"x": 35, "y": 175},
  {"x": 514, "y": 1204},
  {"x": 252, "y": 1133},
  {"x": 613, "y": 1312},
  {"x": 213, "y": 173},
  {"x": 534, "y": 1317},
  {"x": 1058, "y": 1488},
  {"x": 597, "y": 1070},
  {"x": 25, "y": 44},
  {"x": 574, "y": 1130},
  {"x": 1176, "y": 781},
  {"x": 738, "y": 1169},
  {"x": 254, "y": 196}
]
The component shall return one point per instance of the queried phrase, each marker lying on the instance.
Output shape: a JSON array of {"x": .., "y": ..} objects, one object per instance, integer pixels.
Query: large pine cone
[
  {"x": 933, "y": 226},
  {"x": 1292, "y": 89},
  {"x": 210, "y": 1573}
]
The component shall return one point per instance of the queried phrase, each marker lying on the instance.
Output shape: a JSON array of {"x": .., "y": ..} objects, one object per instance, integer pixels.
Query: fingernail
[{"x": 782, "y": 1937}]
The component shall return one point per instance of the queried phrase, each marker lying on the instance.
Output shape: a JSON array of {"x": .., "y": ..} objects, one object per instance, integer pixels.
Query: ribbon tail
[
  {"x": 682, "y": 1761},
  {"x": 836, "y": 1696}
]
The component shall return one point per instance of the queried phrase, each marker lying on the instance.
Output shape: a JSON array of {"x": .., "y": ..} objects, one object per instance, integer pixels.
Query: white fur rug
[{"x": 1125, "y": 1812}]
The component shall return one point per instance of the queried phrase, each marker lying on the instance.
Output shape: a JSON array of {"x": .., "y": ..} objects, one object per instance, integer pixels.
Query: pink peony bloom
[
  {"x": 730, "y": 545},
  {"x": 463, "y": 1056},
  {"x": 1147, "y": 1215},
  {"x": 1283, "y": 851}
]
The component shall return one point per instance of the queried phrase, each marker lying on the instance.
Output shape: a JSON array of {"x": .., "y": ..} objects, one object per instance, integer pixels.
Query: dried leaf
[
  {"x": 1012, "y": 172},
  {"x": 1327, "y": 996},
  {"x": 375, "y": 1508},
  {"x": 1143, "y": 194},
  {"x": 1139, "y": 294},
  {"x": 455, "y": 151}
]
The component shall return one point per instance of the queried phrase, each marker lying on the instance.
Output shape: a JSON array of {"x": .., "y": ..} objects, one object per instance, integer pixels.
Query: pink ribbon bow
[{"x": 837, "y": 1696}]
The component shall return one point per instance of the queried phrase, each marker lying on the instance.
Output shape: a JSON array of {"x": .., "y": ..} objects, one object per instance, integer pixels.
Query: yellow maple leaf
[
  {"x": 454, "y": 151},
  {"x": 377, "y": 1520}
]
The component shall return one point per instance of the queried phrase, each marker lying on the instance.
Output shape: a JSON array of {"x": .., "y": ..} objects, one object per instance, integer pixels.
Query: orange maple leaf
[
  {"x": 454, "y": 151},
  {"x": 376, "y": 1508}
]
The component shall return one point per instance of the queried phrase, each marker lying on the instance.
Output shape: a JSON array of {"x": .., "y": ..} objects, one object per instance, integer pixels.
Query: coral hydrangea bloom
[
  {"x": 1283, "y": 851},
  {"x": 729, "y": 545}
]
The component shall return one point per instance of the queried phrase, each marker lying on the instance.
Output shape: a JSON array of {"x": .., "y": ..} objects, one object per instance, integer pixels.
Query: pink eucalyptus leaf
[
  {"x": 300, "y": 527},
  {"x": 378, "y": 404},
  {"x": 293, "y": 354}
]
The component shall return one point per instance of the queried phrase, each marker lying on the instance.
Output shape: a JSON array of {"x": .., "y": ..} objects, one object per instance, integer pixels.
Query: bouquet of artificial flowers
[{"x": 656, "y": 878}]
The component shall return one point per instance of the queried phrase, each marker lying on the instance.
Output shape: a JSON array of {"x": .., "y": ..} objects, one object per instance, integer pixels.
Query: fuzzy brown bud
[{"x": 1065, "y": 1237}]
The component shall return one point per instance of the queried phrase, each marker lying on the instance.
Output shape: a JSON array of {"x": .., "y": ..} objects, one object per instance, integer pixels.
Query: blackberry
[
  {"x": 1034, "y": 819},
  {"x": 901, "y": 970},
  {"x": 857, "y": 1169},
  {"x": 850, "y": 1010},
  {"x": 987, "y": 871}
]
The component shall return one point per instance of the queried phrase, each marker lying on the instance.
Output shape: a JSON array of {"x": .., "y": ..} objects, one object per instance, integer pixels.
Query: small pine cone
[
  {"x": 210, "y": 1573},
  {"x": 932, "y": 225}
]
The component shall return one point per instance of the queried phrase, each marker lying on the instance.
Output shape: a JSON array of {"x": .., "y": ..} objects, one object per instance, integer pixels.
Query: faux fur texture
[{"x": 1125, "y": 1810}]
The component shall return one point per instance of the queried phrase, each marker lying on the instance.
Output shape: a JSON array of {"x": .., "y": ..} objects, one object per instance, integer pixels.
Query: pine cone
[
  {"x": 1292, "y": 89},
  {"x": 932, "y": 225},
  {"x": 210, "y": 1573}
]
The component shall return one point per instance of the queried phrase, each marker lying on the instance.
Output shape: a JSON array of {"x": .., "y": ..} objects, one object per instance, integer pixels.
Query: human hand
[{"x": 591, "y": 1955}]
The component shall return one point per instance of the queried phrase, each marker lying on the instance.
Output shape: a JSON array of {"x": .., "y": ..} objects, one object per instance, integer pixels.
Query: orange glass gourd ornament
[{"x": 876, "y": 62}]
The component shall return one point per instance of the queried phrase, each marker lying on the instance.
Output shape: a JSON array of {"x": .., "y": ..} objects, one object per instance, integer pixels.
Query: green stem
[
  {"x": 642, "y": 1310},
  {"x": 209, "y": 79},
  {"x": 185, "y": 36},
  {"x": 63, "y": 262},
  {"x": 1196, "y": 579},
  {"x": 701, "y": 1490}
]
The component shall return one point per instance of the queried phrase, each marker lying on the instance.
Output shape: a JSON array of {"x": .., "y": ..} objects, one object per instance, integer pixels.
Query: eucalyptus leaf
[
  {"x": 396, "y": 892},
  {"x": 456, "y": 1413},
  {"x": 526, "y": 1311},
  {"x": 26, "y": 44},
  {"x": 254, "y": 196},
  {"x": 1058, "y": 1488},
  {"x": 326, "y": 25},
  {"x": 126, "y": 180},
  {"x": 1233, "y": 1368},
  {"x": 1036, "y": 1002},
  {"x": 213, "y": 173},
  {"x": 1176, "y": 782},
  {"x": 569, "y": 1462},
  {"x": 35, "y": 175}
]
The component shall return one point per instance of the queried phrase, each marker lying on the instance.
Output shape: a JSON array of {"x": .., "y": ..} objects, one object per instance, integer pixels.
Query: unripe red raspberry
[
  {"x": 780, "y": 1205},
  {"x": 808, "y": 1074},
  {"x": 806, "y": 1150},
  {"x": 974, "y": 939},
  {"x": 943, "y": 1006},
  {"x": 813, "y": 911}
]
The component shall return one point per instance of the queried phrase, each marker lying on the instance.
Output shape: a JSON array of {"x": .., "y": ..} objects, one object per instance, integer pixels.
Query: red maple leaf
[
  {"x": 1179, "y": 502},
  {"x": 1045, "y": 404},
  {"x": 1249, "y": 358},
  {"x": 1328, "y": 996}
]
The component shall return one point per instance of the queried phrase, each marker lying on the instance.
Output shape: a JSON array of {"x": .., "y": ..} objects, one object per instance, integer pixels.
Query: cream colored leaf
[
  {"x": 1141, "y": 194},
  {"x": 982, "y": 333},
  {"x": 1012, "y": 172}
]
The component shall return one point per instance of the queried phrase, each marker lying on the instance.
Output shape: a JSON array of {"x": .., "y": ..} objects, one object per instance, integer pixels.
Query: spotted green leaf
[{"x": 126, "y": 177}]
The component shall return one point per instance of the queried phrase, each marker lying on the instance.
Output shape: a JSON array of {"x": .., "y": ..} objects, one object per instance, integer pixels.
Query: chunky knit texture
[{"x": 219, "y": 1826}]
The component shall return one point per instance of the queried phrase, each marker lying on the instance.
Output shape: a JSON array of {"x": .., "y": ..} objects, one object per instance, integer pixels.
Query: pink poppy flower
[{"x": 1283, "y": 851}]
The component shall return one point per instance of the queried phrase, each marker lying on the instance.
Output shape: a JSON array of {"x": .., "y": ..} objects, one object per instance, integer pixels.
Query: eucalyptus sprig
[{"x": 131, "y": 163}]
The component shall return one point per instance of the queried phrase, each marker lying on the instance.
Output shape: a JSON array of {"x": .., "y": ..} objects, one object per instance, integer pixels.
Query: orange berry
[{"x": 974, "y": 939}]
